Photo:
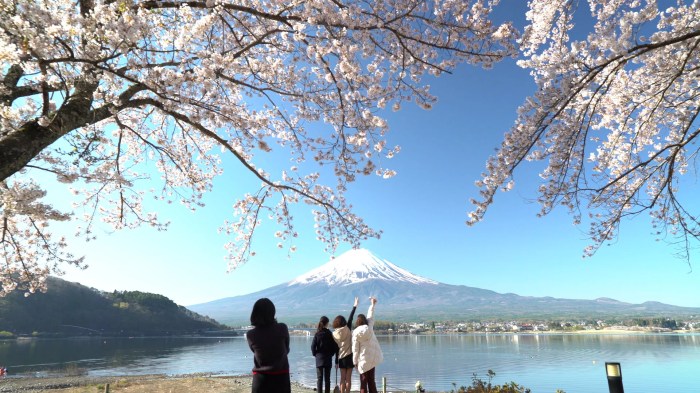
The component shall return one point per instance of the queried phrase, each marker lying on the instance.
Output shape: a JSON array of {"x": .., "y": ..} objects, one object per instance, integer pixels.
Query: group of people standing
[{"x": 357, "y": 348}]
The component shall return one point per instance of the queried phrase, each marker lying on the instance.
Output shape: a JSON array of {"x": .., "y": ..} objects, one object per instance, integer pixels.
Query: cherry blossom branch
[
  {"x": 102, "y": 93},
  {"x": 612, "y": 116}
]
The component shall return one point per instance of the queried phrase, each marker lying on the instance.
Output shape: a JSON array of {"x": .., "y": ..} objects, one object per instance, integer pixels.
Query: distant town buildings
[{"x": 657, "y": 325}]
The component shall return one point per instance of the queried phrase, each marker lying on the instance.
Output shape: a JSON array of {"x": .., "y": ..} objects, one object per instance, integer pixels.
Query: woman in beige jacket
[
  {"x": 343, "y": 337},
  {"x": 366, "y": 353}
]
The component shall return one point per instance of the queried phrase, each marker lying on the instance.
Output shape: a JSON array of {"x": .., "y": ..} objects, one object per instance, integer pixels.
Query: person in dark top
[
  {"x": 343, "y": 337},
  {"x": 269, "y": 341},
  {"x": 323, "y": 347}
]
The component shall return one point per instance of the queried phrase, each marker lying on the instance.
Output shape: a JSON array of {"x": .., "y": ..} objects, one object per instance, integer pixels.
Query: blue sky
[{"x": 422, "y": 212}]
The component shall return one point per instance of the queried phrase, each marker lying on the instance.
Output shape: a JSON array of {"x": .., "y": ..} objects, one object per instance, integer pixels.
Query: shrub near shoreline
[{"x": 480, "y": 386}]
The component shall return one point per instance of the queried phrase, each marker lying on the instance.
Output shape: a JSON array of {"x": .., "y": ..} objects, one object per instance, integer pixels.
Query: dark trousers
[
  {"x": 367, "y": 382},
  {"x": 321, "y": 374},
  {"x": 271, "y": 383}
]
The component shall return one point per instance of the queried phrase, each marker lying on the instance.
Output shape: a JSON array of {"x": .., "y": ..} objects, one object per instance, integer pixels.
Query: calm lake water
[{"x": 544, "y": 363}]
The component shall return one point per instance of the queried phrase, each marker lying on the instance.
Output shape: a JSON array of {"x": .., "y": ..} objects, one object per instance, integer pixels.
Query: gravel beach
[{"x": 194, "y": 383}]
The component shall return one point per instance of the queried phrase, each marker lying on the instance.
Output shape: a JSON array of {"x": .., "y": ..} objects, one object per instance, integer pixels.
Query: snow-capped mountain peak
[{"x": 355, "y": 266}]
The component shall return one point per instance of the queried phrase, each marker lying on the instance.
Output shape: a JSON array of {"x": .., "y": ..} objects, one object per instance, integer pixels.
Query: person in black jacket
[
  {"x": 269, "y": 341},
  {"x": 323, "y": 347}
]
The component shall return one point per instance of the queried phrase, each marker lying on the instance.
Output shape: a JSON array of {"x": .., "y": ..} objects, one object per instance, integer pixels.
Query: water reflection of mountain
[{"x": 81, "y": 354}]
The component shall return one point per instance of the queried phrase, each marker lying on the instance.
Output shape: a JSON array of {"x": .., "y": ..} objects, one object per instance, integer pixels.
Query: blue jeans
[{"x": 321, "y": 374}]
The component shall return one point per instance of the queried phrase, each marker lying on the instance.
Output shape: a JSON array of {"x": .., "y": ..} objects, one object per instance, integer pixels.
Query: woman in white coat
[{"x": 366, "y": 353}]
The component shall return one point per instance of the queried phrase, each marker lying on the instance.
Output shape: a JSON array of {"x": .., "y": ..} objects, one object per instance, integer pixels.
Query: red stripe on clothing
[{"x": 280, "y": 372}]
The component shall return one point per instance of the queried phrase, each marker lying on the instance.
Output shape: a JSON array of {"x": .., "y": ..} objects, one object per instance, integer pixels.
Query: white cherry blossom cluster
[
  {"x": 615, "y": 116},
  {"x": 129, "y": 100},
  {"x": 29, "y": 249}
]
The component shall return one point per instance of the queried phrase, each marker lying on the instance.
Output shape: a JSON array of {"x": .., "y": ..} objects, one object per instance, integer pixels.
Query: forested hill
[{"x": 72, "y": 309}]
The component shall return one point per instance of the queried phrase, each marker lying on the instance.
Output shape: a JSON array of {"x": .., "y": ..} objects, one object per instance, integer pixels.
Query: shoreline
[{"x": 152, "y": 383}]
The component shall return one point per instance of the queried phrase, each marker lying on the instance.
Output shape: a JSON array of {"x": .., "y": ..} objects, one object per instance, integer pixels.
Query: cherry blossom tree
[
  {"x": 103, "y": 94},
  {"x": 614, "y": 117}
]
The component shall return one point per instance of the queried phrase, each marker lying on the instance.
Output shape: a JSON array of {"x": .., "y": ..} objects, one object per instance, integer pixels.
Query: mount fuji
[
  {"x": 357, "y": 266},
  {"x": 403, "y": 296}
]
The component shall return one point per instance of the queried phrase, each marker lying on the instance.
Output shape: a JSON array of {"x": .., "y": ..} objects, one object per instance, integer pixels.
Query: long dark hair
[
  {"x": 322, "y": 323},
  {"x": 263, "y": 313},
  {"x": 339, "y": 322},
  {"x": 361, "y": 320}
]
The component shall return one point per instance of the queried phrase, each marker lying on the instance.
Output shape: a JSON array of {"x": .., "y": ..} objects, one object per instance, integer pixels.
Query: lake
[{"x": 542, "y": 362}]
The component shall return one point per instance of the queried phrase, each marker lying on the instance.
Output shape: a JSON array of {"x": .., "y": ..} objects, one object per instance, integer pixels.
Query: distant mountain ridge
[
  {"x": 404, "y": 296},
  {"x": 72, "y": 309}
]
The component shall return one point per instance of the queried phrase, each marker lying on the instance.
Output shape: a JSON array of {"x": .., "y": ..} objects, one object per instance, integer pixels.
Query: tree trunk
[{"x": 20, "y": 146}]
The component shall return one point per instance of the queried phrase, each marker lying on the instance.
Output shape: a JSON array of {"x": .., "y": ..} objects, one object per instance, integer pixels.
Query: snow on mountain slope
[{"x": 356, "y": 266}]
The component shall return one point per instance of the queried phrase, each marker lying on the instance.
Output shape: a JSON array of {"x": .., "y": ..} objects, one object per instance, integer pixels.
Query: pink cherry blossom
[
  {"x": 615, "y": 116},
  {"x": 105, "y": 94}
]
